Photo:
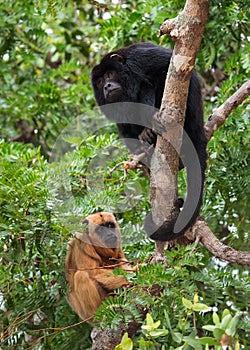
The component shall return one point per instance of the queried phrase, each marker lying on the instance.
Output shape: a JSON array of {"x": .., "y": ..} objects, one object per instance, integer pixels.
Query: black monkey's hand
[
  {"x": 157, "y": 126},
  {"x": 148, "y": 136}
]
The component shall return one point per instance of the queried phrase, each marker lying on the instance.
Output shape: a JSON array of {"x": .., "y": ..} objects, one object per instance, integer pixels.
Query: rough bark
[
  {"x": 106, "y": 339},
  {"x": 187, "y": 30},
  {"x": 200, "y": 232}
]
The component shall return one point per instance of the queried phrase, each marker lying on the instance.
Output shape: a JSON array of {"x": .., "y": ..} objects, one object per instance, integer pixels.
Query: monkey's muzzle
[{"x": 107, "y": 236}]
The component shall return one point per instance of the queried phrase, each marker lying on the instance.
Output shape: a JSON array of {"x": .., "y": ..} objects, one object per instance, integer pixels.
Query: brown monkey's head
[{"x": 103, "y": 230}]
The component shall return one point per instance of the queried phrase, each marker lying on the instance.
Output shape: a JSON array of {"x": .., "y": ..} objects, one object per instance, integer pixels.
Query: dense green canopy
[{"x": 56, "y": 151}]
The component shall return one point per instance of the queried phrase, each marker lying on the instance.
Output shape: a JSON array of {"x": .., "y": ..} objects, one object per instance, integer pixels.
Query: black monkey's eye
[
  {"x": 99, "y": 83},
  {"x": 110, "y": 75}
]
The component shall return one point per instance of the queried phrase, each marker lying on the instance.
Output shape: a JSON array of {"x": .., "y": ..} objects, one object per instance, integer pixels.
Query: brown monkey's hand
[{"x": 135, "y": 268}]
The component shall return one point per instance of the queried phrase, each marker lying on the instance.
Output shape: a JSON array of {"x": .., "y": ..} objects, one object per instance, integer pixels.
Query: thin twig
[
  {"x": 103, "y": 267},
  {"x": 131, "y": 164}
]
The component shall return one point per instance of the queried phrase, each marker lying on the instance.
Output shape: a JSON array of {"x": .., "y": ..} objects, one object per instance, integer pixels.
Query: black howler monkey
[{"x": 137, "y": 74}]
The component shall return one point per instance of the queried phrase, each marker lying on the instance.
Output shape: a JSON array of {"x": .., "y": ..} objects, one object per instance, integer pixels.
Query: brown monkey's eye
[{"x": 109, "y": 224}]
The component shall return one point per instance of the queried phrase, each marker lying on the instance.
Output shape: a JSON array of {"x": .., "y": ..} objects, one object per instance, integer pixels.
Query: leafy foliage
[
  {"x": 52, "y": 174},
  {"x": 228, "y": 179},
  {"x": 225, "y": 330},
  {"x": 172, "y": 305}
]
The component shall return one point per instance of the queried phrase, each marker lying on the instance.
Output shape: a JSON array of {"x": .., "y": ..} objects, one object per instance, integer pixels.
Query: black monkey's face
[
  {"x": 112, "y": 89},
  {"x": 103, "y": 230},
  {"x": 105, "y": 80},
  {"x": 109, "y": 87}
]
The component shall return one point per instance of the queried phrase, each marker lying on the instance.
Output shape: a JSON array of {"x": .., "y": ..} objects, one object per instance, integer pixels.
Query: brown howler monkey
[{"x": 91, "y": 258}]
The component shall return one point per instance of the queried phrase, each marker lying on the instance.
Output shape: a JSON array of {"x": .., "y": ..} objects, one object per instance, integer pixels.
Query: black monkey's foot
[
  {"x": 148, "y": 136},
  {"x": 164, "y": 232},
  {"x": 158, "y": 258},
  {"x": 157, "y": 126},
  {"x": 180, "y": 202}
]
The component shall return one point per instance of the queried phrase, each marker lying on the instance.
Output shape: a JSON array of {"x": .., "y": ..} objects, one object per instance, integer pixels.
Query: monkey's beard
[
  {"x": 113, "y": 96},
  {"x": 107, "y": 237}
]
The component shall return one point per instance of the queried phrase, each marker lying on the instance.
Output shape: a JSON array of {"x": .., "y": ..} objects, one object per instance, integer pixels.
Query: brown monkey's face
[{"x": 103, "y": 230}]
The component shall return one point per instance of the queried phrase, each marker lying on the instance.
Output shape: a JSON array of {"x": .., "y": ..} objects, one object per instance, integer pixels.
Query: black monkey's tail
[{"x": 195, "y": 162}]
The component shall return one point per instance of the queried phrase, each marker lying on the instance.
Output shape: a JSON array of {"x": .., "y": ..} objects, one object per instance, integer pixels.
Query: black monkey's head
[
  {"x": 103, "y": 230},
  {"x": 107, "y": 78}
]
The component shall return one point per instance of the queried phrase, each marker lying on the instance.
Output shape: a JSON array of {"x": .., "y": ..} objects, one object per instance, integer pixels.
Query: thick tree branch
[
  {"x": 187, "y": 30},
  {"x": 220, "y": 114},
  {"x": 203, "y": 234}
]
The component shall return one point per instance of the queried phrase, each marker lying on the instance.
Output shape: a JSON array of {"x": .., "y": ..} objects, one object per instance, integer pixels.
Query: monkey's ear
[
  {"x": 117, "y": 57},
  {"x": 85, "y": 222}
]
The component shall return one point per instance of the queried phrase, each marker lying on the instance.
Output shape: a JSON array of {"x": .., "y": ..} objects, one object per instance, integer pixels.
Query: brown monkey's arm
[
  {"x": 122, "y": 263},
  {"x": 110, "y": 282}
]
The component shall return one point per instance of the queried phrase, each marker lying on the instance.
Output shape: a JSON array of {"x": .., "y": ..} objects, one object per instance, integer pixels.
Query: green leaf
[
  {"x": 218, "y": 332},
  {"x": 209, "y": 328},
  {"x": 187, "y": 303},
  {"x": 126, "y": 343},
  {"x": 150, "y": 324},
  {"x": 167, "y": 320},
  {"x": 216, "y": 319},
  {"x": 193, "y": 342},
  {"x": 177, "y": 337},
  {"x": 146, "y": 345},
  {"x": 226, "y": 321},
  {"x": 225, "y": 313},
  {"x": 158, "y": 333},
  {"x": 200, "y": 307},
  {"x": 208, "y": 341},
  {"x": 149, "y": 320},
  {"x": 231, "y": 330}
]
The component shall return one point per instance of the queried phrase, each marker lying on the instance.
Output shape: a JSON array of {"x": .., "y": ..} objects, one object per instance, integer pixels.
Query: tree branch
[
  {"x": 220, "y": 114},
  {"x": 187, "y": 30},
  {"x": 203, "y": 234},
  {"x": 201, "y": 231}
]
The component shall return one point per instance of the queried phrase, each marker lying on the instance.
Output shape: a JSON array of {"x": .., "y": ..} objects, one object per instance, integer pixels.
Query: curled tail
[{"x": 195, "y": 162}]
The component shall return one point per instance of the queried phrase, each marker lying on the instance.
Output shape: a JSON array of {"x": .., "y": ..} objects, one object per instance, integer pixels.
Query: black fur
[{"x": 137, "y": 73}]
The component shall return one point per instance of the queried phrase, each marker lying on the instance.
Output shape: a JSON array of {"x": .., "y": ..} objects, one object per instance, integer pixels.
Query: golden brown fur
[{"x": 90, "y": 259}]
